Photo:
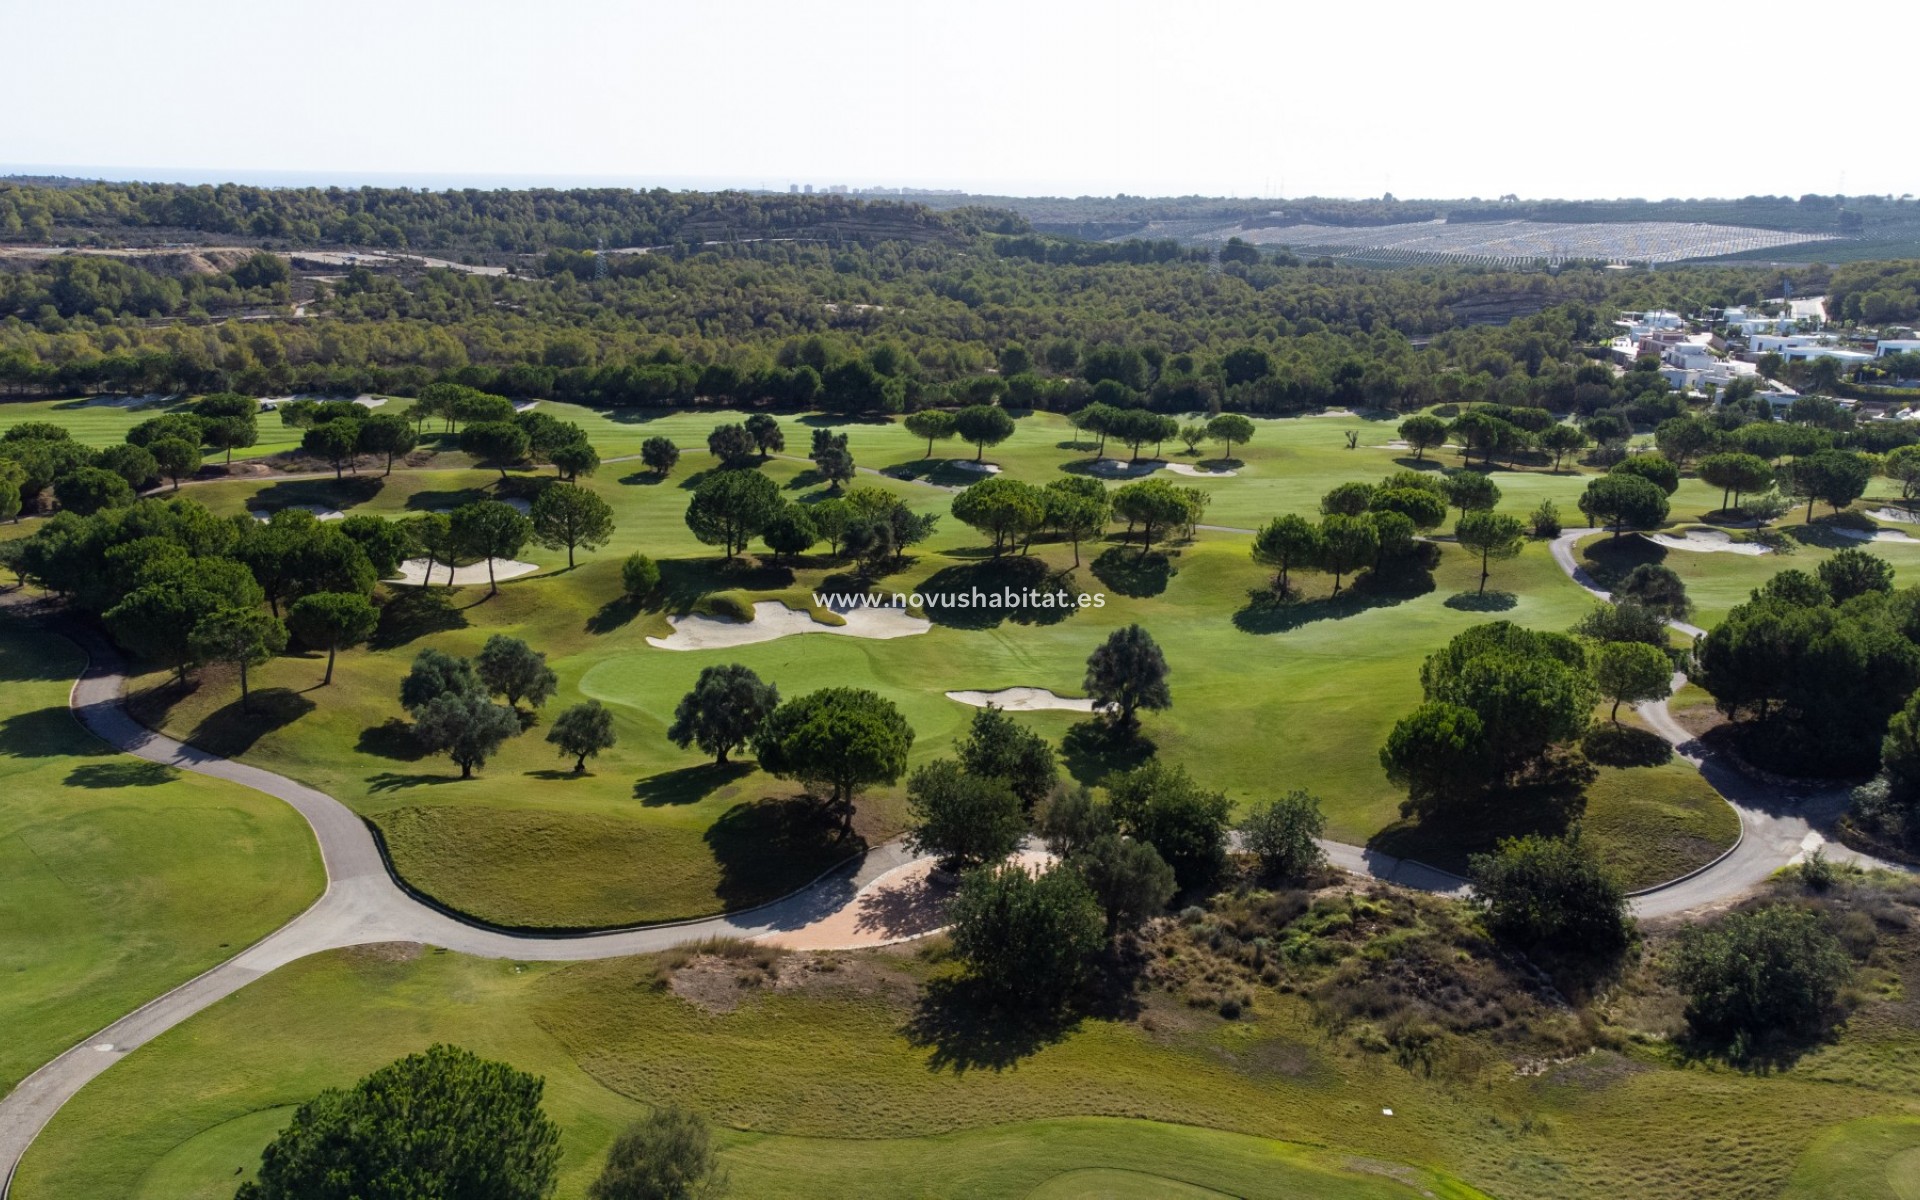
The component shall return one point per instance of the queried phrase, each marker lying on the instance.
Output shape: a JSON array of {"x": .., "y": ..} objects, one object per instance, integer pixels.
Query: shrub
[
  {"x": 1759, "y": 975},
  {"x": 639, "y": 576},
  {"x": 1552, "y": 894},
  {"x": 1282, "y": 834}
]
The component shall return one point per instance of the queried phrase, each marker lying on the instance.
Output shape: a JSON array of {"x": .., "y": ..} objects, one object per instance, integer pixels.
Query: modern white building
[
  {"x": 1897, "y": 346},
  {"x": 1846, "y": 358},
  {"x": 1765, "y": 343}
]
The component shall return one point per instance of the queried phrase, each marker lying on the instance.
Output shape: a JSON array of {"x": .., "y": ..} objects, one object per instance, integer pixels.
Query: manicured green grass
[
  {"x": 118, "y": 879},
  {"x": 1266, "y": 697},
  {"x": 838, "y": 1083},
  {"x": 97, "y": 424},
  {"x": 1876, "y": 1159}
]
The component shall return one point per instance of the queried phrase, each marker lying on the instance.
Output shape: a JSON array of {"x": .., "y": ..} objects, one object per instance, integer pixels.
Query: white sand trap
[
  {"x": 1710, "y": 541},
  {"x": 772, "y": 619},
  {"x": 1024, "y": 699},
  {"x": 1335, "y": 412},
  {"x": 982, "y": 468},
  {"x": 1898, "y": 515},
  {"x": 318, "y": 510},
  {"x": 1121, "y": 467},
  {"x": 1395, "y": 444},
  {"x": 525, "y": 405},
  {"x": 1875, "y": 535},
  {"x": 1199, "y": 472},
  {"x": 369, "y": 401},
  {"x": 414, "y": 571}
]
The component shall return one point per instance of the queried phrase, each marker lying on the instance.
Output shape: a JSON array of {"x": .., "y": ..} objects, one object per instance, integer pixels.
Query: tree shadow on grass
[
  {"x": 392, "y": 738},
  {"x": 644, "y": 478},
  {"x": 1549, "y": 806},
  {"x": 689, "y": 785},
  {"x": 684, "y": 581},
  {"x": 1409, "y": 462},
  {"x": 963, "y": 1028},
  {"x": 1625, "y": 746},
  {"x": 1482, "y": 601},
  {"x": 322, "y": 493},
  {"x": 1827, "y": 533},
  {"x": 446, "y": 500},
  {"x": 40, "y": 733},
  {"x": 615, "y": 613},
  {"x": 121, "y": 774},
  {"x": 1130, "y": 573},
  {"x": 770, "y": 847},
  {"x": 1608, "y": 560},
  {"x": 229, "y": 732},
  {"x": 414, "y": 612},
  {"x": 394, "y": 781},
  {"x": 1267, "y": 611},
  {"x": 994, "y": 579},
  {"x": 1094, "y": 749}
]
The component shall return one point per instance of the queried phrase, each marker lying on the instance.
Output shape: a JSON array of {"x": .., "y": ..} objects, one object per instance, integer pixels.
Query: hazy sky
[{"x": 1269, "y": 98}]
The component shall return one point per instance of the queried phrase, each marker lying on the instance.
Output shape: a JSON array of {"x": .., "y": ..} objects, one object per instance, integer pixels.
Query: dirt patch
[
  {"x": 384, "y": 952},
  {"x": 717, "y": 983}
]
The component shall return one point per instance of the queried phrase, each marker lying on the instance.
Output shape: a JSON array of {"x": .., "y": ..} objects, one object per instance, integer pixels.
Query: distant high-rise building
[
  {"x": 793, "y": 189},
  {"x": 809, "y": 189}
]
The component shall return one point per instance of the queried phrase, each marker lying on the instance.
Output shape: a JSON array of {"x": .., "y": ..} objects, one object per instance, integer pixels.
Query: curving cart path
[{"x": 364, "y": 904}]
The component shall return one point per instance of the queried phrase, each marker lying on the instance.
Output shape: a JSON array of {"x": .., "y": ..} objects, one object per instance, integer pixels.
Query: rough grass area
[
  {"x": 1652, "y": 824},
  {"x": 118, "y": 879},
  {"x": 837, "y": 1075}
]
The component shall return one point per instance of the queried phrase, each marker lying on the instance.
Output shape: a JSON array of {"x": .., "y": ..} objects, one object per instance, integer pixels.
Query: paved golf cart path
[{"x": 363, "y": 903}]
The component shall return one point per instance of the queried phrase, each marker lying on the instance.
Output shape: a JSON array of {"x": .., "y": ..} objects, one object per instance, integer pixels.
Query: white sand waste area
[
  {"x": 414, "y": 571},
  {"x": 1200, "y": 472},
  {"x": 318, "y": 510},
  {"x": 1710, "y": 541},
  {"x": 907, "y": 902},
  {"x": 1024, "y": 699},
  {"x": 772, "y": 619}
]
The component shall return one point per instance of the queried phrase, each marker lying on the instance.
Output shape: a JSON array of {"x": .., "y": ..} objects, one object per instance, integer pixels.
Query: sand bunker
[
  {"x": 967, "y": 464},
  {"x": 1875, "y": 535},
  {"x": 1121, "y": 467},
  {"x": 1710, "y": 541},
  {"x": 1899, "y": 516},
  {"x": 907, "y": 902},
  {"x": 369, "y": 401},
  {"x": 318, "y": 510},
  {"x": 1199, "y": 472},
  {"x": 524, "y": 405},
  {"x": 772, "y": 619},
  {"x": 414, "y": 571},
  {"x": 1024, "y": 699}
]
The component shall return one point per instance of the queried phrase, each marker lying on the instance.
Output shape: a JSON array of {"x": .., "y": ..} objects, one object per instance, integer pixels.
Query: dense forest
[
  {"x": 469, "y": 222},
  {"x": 891, "y": 306},
  {"x": 748, "y": 322}
]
